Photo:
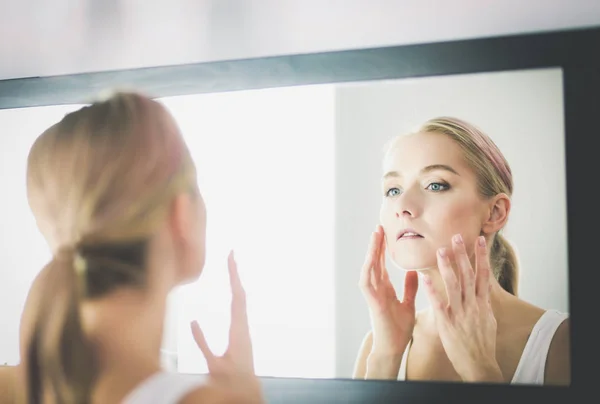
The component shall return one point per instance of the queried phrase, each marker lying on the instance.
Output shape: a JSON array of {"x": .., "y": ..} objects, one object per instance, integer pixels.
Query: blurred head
[
  {"x": 448, "y": 177},
  {"x": 113, "y": 176},
  {"x": 112, "y": 187}
]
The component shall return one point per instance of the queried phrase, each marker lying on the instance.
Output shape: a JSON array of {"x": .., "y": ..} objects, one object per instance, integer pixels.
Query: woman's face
[{"x": 429, "y": 195}]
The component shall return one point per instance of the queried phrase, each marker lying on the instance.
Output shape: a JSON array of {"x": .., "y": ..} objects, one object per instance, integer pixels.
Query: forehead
[{"x": 412, "y": 152}]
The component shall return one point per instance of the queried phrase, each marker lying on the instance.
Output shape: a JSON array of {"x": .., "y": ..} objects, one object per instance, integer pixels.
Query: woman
[
  {"x": 113, "y": 190},
  {"x": 7, "y": 384},
  {"x": 446, "y": 197}
]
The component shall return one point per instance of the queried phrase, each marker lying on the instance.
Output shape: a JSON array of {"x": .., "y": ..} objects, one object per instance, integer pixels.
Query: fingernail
[
  {"x": 458, "y": 239},
  {"x": 442, "y": 252},
  {"x": 481, "y": 241}
]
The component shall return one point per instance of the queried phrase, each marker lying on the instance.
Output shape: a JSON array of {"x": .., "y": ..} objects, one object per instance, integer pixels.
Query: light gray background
[
  {"x": 522, "y": 112},
  {"x": 42, "y": 38}
]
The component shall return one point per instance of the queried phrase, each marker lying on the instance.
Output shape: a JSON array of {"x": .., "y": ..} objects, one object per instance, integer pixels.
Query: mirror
[{"x": 291, "y": 177}]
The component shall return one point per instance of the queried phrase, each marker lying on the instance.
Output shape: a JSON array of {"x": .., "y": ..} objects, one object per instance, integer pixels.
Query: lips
[{"x": 407, "y": 234}]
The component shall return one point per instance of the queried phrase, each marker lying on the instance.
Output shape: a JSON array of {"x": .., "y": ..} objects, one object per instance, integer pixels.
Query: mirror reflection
[{"x": 297, "y": 180}]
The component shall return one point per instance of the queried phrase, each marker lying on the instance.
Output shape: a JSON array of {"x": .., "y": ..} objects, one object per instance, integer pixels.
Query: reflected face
[{"x": 429, "y": 194}]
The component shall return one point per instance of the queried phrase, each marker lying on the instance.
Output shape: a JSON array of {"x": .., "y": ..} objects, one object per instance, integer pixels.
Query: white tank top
[
  {"x": 532, "y": 365},
  {"x": 164, "y": 388}
]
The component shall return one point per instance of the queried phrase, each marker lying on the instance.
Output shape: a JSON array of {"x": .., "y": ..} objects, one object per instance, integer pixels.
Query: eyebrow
[{"x": 433, "y": 167}]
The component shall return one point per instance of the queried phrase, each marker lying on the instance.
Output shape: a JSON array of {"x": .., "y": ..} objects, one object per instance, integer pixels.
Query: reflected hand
[
  {"x": 392, "y": 320},
  {"x": 234, "y": 370},
  {"x": 466, "y": 324}
]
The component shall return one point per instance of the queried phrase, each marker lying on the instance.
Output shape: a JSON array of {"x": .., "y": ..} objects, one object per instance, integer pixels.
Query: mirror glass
[{"x": 292, "y": 179}]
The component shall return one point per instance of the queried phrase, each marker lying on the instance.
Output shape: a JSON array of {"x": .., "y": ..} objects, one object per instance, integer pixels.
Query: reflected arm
[{"x": 370, "y": 365}]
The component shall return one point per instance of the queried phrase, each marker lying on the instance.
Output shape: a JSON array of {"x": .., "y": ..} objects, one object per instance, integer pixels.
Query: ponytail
[
  {"x": 61, "y": 366},
  {"x": 505, "y": 264}
]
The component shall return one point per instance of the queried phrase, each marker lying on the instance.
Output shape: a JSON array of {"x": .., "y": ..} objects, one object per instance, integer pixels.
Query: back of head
[
  {"x": 99, "y": 183},
  {"x": 494, "y": 176}
]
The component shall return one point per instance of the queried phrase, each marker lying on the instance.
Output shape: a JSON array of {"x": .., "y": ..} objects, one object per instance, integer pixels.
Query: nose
[{"x": 408, "y": 205}]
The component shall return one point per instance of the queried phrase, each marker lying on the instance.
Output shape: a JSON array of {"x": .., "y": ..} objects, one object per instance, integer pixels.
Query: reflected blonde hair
[
  {"x": 494, "y": 176},
  {"x": 99, "y": 183}
]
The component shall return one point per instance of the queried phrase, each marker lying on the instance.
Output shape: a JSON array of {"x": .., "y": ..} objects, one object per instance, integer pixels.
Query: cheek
[{"x": 456, "y": 217}]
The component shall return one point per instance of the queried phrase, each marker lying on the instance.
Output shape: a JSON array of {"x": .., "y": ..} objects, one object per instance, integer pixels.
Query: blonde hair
[
  {"x": 99, "y": 183},
  {"x": 494, "y": 176}
]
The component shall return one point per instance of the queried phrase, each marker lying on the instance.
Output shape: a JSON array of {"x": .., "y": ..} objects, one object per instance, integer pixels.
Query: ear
[
  {"x": 181, "y": 220},
  {"x": 188, "y": 227},
  {"x": 497, "y": 215},
  {"x": 182, "y": 223}
]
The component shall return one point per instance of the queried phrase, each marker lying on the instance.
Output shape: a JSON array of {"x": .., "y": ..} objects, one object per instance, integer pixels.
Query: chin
[{"x": 414, "y": 262}]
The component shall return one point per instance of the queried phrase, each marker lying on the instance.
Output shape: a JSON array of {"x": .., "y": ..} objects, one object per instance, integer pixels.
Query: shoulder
[
  {"x": 8, "y": 376},
  {"x": 214, "y": 394},
  {"x": 558, "y": 361},
  {"x": 206, "y": 394}
]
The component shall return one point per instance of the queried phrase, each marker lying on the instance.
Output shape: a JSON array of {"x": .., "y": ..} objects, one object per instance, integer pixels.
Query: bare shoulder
[
  {"x": 558, "y": 362},
  {"x": 8, "y": 376},
  {"x": 212, "y": 394},
  {"x": 206, "y": 394}
]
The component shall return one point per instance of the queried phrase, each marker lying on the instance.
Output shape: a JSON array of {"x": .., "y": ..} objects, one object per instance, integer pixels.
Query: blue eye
[
  {"x": 392, "y": 192},
  {"x": 437, "y": 187}
]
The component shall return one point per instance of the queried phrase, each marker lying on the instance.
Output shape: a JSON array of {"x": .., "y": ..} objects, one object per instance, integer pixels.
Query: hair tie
[{"x": 80, "y": 264}]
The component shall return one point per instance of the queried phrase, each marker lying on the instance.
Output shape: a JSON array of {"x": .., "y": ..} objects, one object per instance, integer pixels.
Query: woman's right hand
[
  {"x": 234, "y": 370},
  {"x": 392, "y": 320}
]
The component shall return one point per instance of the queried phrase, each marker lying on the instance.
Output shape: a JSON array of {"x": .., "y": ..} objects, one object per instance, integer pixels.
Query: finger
[
  {"x": 484, "y": 270},
  {"x": 390, "y": 290},
  {"x": 365, "y": 273},
  {"x": 450, "y": 281},
  {"x": 437, "y": 304},
  {"x": 411, "y": 285},
  {"x": 385, "y": 276},
  {"x": 376, "y": 274},
  {"x": 467, "y": 276},
  {"x": 201, "y": 342},
  {"x": 239, "y": 315},
  {"x": 382, "y": 249}
]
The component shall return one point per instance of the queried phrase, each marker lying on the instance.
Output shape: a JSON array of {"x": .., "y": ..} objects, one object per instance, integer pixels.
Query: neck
[
  {"x": 499, "y": 297},
  {"x": 127, "y": 328}
]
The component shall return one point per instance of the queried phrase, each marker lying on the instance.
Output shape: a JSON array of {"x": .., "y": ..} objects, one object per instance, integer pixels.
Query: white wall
[
  {"x": 42, "y": 38},
  {"x": 265, "y": 169},
  {"x": 522, "y": 112}
]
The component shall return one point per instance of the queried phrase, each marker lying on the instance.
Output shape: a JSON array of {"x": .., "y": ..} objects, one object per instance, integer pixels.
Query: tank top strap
[{"x": 532, "y": 365}]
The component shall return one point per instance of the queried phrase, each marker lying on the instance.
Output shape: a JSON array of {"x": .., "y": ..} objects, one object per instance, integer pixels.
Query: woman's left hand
[{"x": 466, "y": 324}]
